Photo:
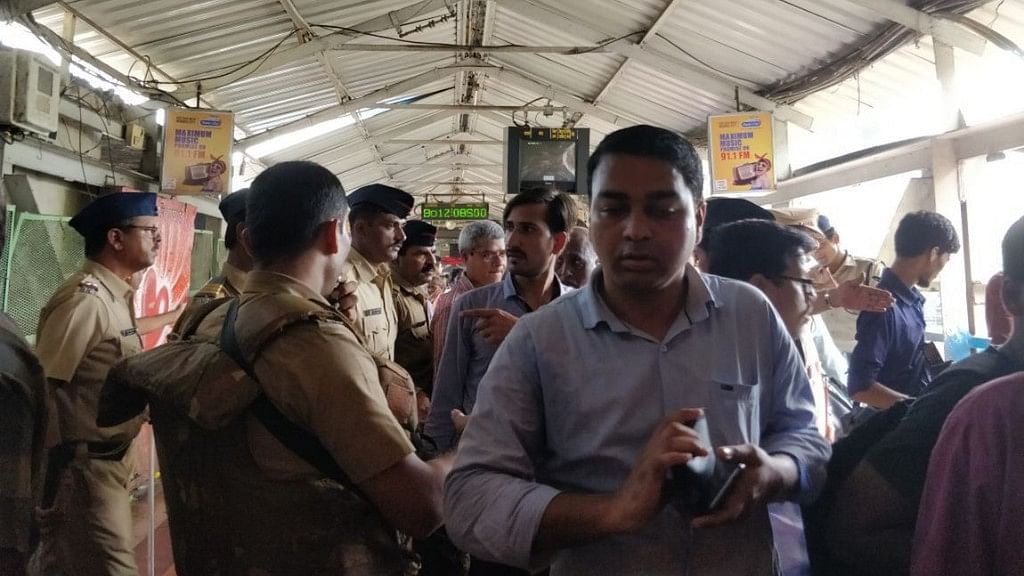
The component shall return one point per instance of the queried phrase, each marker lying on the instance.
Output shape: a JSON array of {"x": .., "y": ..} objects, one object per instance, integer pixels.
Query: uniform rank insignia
[
  {"x": 129, "y": 332},
  {"x": 373, "y": 312},
  {"x": 88, "y": 287}
]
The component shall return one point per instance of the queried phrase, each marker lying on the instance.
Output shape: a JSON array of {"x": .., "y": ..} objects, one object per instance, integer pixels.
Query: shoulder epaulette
[{"x": 87, "y": 286}]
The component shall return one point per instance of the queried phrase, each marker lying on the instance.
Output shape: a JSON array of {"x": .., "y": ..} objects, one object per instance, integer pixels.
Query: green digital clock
[{"x": 436, "y": 211}]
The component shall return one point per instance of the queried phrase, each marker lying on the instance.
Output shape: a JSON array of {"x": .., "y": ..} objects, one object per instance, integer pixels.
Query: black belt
[{"x": 107, "y": 450}]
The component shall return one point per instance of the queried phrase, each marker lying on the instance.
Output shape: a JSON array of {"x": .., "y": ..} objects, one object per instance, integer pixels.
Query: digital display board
[
  {"x": 437, "y": 211},
  {"x": 550, "y": 158}
]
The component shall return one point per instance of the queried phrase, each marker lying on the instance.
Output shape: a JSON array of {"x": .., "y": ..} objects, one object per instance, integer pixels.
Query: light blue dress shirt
[
  {"x": 572, "y": 398},
  {"x": 467, "y": 355}
]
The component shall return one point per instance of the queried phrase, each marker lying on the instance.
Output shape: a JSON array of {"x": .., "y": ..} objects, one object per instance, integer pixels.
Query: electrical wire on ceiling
[
  {"x": 353, "y": 31},
  {"x": 891, "y": 38},
  {"x": 153, "y": 92},
  {"x": 526, "y": 114},
  {"x": 258, "y": 60},
  {"x": 705, "y": 64}
]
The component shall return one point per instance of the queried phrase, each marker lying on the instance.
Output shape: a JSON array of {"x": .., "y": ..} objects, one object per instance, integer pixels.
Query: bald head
[{"x": 577, "y": 261}]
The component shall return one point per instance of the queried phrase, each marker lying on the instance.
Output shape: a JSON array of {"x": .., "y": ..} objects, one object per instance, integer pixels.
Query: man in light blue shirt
[
  {"x": 536, "y": 229},
  {"x": 591, "y": 401}
]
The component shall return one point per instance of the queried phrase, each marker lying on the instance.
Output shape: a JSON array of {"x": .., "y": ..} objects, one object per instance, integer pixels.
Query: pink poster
[{"x": 165, "y": 285}]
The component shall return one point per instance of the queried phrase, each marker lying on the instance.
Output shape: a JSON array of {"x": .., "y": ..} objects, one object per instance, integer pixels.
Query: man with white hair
[{"x": 482, "y": 247}]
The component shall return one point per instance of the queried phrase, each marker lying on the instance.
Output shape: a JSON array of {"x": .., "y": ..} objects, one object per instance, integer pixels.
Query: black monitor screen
[{"x": 547, "y": 164}]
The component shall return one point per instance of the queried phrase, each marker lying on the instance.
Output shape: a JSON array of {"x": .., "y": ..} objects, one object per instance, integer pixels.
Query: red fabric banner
[{"x": 165, "y": 284}]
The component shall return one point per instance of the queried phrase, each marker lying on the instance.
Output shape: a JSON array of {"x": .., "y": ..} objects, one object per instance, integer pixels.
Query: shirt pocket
[{"x": 733, "y": 411}]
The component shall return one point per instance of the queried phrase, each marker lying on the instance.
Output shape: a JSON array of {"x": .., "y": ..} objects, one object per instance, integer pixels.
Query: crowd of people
[{"x": 681, "y": 386}]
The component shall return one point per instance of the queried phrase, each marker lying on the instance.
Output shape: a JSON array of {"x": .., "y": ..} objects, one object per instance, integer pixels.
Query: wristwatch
[{"x": 828, "y": 300}]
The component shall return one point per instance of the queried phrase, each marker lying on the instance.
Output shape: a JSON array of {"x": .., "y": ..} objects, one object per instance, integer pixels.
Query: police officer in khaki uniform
[
  {"x": 231, "y": 279},
  {"x": 845, "y": 267},
  {"x": 86, "y": 327},
  {"x": 850, "y": 290},
  {"x": 412, "y": 273},
  {"x": 232, "y": 274},
  {"x": 267, "y": 510},
  {"x": 376, "y": 216}
]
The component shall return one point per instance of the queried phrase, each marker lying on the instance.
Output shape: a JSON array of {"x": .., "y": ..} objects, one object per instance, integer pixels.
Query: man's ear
[
  {"x": 698, "y": 218},
  {"x": 835, "y": 238},
  {"x": 328, "y": 236},
  {"x": 561, "y": 239},
  {"x": 242, "y": 236},
  {"x": 115, "y": 238},
  {"x": 761, "y": 282}
]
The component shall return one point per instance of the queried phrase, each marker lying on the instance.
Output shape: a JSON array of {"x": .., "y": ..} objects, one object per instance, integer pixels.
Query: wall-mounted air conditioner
[{"x": 29, "y": 91}]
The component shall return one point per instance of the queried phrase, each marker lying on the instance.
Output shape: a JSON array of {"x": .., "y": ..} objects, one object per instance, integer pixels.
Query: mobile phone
[{"x": 723, "y": 492}]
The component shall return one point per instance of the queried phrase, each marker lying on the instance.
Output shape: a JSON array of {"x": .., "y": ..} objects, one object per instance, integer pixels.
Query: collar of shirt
[
  {"x": 700, "y": 300},
  {"x": 509, "y": 290},
  {"x": 234, "y": 275},
  {"x": 262, "y": 281},
  {"x": 408, "y": 287},
  {"x": 366, "y": 272},
  {"x": 117, "y": 287},
  {"x": 908, "y": 295},
  {"x": 462, "y": 285}
]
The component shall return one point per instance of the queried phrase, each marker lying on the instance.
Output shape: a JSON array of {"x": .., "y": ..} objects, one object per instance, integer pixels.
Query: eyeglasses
[
  {"x": 806, "y": 283},
  {"x": 153, "y": 230}
]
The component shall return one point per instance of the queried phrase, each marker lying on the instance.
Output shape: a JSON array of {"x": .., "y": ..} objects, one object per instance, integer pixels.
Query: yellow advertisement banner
[
  {"x": 197, "y": 151},
  {"x": 742, "y": 152}
]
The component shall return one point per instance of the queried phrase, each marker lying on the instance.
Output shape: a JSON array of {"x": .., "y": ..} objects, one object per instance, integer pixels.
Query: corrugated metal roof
[{"x": 757, "y": 42}]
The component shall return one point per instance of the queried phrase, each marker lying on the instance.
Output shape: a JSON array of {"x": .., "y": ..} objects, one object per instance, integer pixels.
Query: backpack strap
[
  {"x": 191, "y": 321},
  {"x": 297, "y": 439}
]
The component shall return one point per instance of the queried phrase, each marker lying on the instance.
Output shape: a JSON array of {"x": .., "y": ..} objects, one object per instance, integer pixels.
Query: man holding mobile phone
[{"x": 564, "y": 464}]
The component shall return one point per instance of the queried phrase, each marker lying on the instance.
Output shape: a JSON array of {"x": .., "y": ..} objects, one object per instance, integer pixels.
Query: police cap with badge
[
  {"x": 382, "y": 198},
  {"x": 108, "y": 211},
  {"x": 232, "y": 208},
  {"x": 805, "y": 218},
  {"x": 419, "y": 233}
]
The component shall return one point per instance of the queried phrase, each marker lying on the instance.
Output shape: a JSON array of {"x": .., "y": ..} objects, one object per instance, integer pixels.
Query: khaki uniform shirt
[
  {"x": 376, "y": 317},
  {"x": 230, "y": 283},
  {"x": 322, "y": 379},
  {"x": 87, "y": 326},
  {"x": 414, "y": 348},
  {"x": 841, "y": 323},
  {"x": 23, "y": 419}
]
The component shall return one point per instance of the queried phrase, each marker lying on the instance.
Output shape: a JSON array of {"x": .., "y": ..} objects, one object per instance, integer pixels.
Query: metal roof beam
[
  {"x": 455, "y": 108},
  {"x": 443, "y": 183},
  {"x": 651, "y": 31},
  {"x": 342, "y": 149},
  {"x": 445, "y": 142},
  {"x": 366, "y": 101},
  {"x": 708, "y": 79},
  {"x": 11, "y": 9},
  {"x": 335, "y": 39},
  {"x": 557, "y": 93},
  {"x": 942, "y": 30},
  {"x": 1002, "y": 134},
  {"x": 472, "y": 48},
  {"x": 306, "y": 34},
  {"x": 455, "y": 163},
  {"x": 123, "y": 46}
]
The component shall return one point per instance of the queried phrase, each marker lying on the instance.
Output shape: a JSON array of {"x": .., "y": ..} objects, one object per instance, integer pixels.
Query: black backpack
[{"x": 848, "y": 452}]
